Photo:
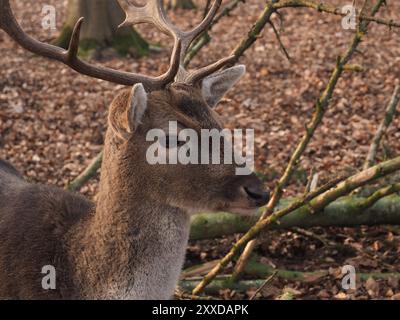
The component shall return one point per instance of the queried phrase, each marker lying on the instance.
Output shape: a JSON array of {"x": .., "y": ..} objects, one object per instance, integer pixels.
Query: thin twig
[
  {"x": 267, "y": 282},
  {"x": 278, "y": 37},
  {"x": 310, "y": 178},
  {"x": 314, "y": 182},
  {"x": 179, "y": 295},
  {"x": 387, "y": 120},
  {"x": 309, "y": 234},
  {"x": 86, "y": 175}
]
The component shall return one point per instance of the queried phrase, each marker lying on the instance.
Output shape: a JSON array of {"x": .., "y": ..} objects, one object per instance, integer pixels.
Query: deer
[{"x": 131, "y": 243}]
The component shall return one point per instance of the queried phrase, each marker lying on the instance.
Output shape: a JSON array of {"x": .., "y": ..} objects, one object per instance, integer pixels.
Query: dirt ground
[{"x": 52, "y": 123}]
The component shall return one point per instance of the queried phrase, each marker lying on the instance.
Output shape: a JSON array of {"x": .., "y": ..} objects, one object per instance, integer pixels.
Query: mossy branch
[
  {"x": 310, "y": 207},
  {"x": 327, "y": 8},
  {"x": 320, "y": 109},
  {"x": 349, "y": 211},
  {"x": 255, "y": 31}
]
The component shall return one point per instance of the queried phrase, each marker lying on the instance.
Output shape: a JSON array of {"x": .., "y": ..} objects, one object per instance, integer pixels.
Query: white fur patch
[{"x": 138, "y": 106}]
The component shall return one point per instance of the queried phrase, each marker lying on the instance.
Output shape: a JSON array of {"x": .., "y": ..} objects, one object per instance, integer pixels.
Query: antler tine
[
  {"x": 69, "y": 57},
  {"x": 73, "y": 46},
  {"x": 154, "y": 12},
  {"x": 193, "y": 34}
]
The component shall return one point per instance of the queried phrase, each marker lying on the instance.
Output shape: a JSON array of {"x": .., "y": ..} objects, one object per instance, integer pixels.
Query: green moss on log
[{"x": 344, "y": 212}]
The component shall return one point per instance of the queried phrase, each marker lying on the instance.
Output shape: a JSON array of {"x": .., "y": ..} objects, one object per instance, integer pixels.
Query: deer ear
[
  {"x": 215, "y": 86},
  {"x": 124, "y": 120}
]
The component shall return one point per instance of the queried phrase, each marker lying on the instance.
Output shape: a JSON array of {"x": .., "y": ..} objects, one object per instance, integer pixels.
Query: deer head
[{"x": 178, "y": 95}]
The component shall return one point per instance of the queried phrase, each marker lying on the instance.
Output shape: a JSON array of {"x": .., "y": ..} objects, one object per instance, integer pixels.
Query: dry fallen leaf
[{"x": 372, "y": 287}]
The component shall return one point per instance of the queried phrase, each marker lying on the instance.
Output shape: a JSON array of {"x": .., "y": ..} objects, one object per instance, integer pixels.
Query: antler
[
  {"x": 69, "y": 57},
  {"x": 154, "y": 12}
]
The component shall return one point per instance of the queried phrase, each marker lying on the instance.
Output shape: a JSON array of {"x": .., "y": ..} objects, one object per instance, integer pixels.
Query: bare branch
[
  {"x": 322, "y": 7},
  {"x": 320, "y": 110},
  {"x": 278, "y": 37},
  {"x": 317, "y": 203},
  {"x": 387, "y": 120}
]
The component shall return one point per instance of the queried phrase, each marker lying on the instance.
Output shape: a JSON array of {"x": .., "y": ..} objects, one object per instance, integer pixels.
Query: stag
[{"x": 130, "y": 244}]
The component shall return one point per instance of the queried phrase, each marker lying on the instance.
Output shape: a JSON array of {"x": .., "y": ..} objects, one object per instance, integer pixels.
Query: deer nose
[{"x": 260, "y": 197}]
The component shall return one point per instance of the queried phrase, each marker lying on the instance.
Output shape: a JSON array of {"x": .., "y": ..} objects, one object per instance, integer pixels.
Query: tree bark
[
  {"x": 100, "y": 29},
  {"x": 341, "y": 213}
]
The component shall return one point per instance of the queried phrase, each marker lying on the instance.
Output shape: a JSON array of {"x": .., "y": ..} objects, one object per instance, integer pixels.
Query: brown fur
[{"x": 132, "y": 245}]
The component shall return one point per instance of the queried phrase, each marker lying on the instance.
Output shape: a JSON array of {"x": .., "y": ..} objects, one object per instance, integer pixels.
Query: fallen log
[
  {"x": 221, "y": 284},
  {"x": 260, "y": 272},
  {"x": 256, "y": 269},
  {"x": 345, "y": 212}
]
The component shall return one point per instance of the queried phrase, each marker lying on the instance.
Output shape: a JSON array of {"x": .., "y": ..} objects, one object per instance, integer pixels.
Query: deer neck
[{"x": 134, "y": 247}]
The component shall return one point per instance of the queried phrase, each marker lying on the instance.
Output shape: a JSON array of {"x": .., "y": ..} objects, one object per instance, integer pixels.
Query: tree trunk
[
  {"x": 100, "y": 29},
  {"x": 341, "y": 213}
]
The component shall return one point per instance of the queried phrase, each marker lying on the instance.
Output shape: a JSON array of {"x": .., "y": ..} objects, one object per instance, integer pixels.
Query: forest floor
[{"x": 52, "y": 123}]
